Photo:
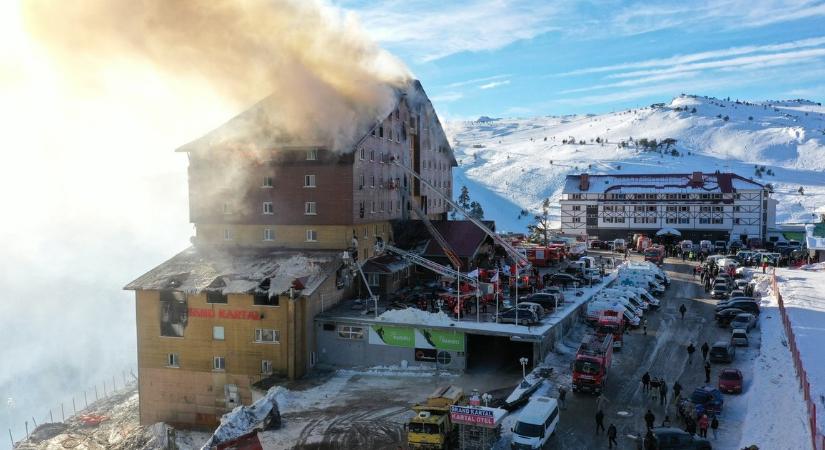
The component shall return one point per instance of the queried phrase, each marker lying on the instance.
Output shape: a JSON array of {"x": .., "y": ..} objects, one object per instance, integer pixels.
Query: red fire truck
[
  {"x": 592, "y": 363},
  {"x": 611, "y": 322},
  {"x": 655, "y": 254}
]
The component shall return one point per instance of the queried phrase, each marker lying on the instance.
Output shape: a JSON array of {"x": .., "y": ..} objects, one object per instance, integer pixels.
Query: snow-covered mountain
[{"x": 510, "y": 165}]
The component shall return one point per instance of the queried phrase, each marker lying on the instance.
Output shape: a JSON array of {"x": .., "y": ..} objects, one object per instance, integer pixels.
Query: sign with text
[
  {"x": 473, "y": 415},
  {"x": 395, "y": 336},
  {"x": 207, "y": 313},
  {"x": 442, "y": 340}
]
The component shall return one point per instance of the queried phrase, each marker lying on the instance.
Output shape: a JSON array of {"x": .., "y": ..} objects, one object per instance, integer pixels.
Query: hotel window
[
  {"x": 216, "y": 296},
  {"x": 267, "y": 182},
  {"x": 717, "y": 221},
  {"x": 361, "y": 181},
  {"x": 619, "y": 219},
  {"x": 577, "y": 219},
  {"x": 219, "y": 363},
  {"x": 263, "y": 335},
  {"x": 704, "y": 209},
  {"x": 670, "y": 220},
  {"x": 262, "y": 298},
  {"x": 684, "y": 220},
  {"x": 217, "y": 333},
  {"x": 704, "y": 221},
  {"x": 372, "y": 181},
  {"x": 670, "y": 209},
  {"x": 684, "y": 196},
  {"x": 172, "y": 360},
  {"x": 380, "y": 133},
  {"x": 372, "y": 208},
  {"x": 266, "y": 367},
  {"x": 361, "y": 153},
  {"x": 309, "y": 209},
  {"x": 737, "y": 209},
  {"x": 361, "y": 210},
  {"x": 267, "y": 208},
  {"x": 372, "y": 155},
  {"x": 350, "y": 332},
  {"x": 227, "y": 234},
  {"x": 651, "y": 209},
  {"x": 227, "y": 209},
  {"x": 268, "y": 234},
  {"x": 375, "y": 229},
  {"x": 718, "y": 209},
  {"x": 309, "y": 181},
  {"x": 312, "y": 236},
  {"x": 312, "y": 155},
  {"x": 575, "y": 196},
  {"x": 381, "y": 206},
  {"x": 577, "y": 208},
  {"x": 684, "y": 208},
  {"x": 373, "y": 279}
]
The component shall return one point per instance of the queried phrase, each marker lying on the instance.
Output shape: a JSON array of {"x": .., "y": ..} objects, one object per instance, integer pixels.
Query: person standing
[
  {"x": 562, "y": 396},
  {"x": 705, "y": 350},
  {"x": 662, "y": 391},
  {"x": 694, "y": 272},
  {"x": 690, "y": 425},
  {"x": 690, "y": 350},
  {"x": 645, "y": 382},
  {"x": 644, "y": 326},
  {"x": 666, "y": 422},
  {"x": 714, "y": 425},
  {"x": 649, "y": 419},
  {"x": 682, "y": 311},
  {"x": 707, "y": 372},
  {"x": 611, "y": 436},
  {"x": 703, "y": 426},
  {"x": 677, "y": 391},
  {"x": 599, "y": 421}
]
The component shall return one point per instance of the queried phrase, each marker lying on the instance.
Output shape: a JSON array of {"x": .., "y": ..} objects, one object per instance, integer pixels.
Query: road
[{"x": 662, "y": 353}]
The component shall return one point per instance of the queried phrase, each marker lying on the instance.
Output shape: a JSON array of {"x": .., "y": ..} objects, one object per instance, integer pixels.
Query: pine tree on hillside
[
  {"x": 542, "y": 225},
  {"x": 476, "y": 211}
]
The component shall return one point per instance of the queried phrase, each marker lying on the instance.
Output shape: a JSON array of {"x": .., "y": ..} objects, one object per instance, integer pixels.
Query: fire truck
[
  {"x": 592, "y": 363},
  {"x": 655, "y": 254},
  {"x": 612, "y": 323},
  {"x": 541, "y": 256}
]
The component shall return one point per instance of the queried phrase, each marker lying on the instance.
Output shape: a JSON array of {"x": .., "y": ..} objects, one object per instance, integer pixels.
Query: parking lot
[{"x": 663, "y": 353}]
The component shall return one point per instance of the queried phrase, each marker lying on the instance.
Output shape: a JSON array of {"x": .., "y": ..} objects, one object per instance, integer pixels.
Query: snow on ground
[
  {"x": 805, "y": 303},
  {"x": 513, "y": 164},
  {"x": 775, "y": 415}
]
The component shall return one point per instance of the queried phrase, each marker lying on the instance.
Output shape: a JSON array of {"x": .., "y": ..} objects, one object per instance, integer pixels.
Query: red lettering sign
[{"x": 224, "y": 314}]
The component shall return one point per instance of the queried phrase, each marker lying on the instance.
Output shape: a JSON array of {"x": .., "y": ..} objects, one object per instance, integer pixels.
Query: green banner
[
  {"x": 395, "y": 336},
  {"x": 443, "y": 340}
]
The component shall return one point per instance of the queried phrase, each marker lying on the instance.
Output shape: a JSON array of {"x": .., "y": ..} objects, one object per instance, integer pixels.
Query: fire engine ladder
[
  {"x": 511, "y": 251},
  {"x": 445, "y": 246},
  {"x": 426, "y": 263}
]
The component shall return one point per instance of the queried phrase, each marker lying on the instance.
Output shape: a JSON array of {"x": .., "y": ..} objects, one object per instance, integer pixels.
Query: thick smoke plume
[{"x": 323, "y": 77}]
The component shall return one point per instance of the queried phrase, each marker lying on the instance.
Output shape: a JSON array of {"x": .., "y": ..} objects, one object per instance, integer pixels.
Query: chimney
[
  {"x": 584, "y": 182},
  {"x": 696, "y": 179}
]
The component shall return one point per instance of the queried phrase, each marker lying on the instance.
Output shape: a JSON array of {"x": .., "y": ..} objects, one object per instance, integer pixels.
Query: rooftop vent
[
  {"x": 584, "y": 182},
  {"x": 696, "y": 179}
]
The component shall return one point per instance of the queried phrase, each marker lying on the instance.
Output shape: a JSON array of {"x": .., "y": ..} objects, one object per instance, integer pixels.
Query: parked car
[
  {"x": 547, "y": 300},
  {"x": 745, "y": 321},
  {"x": 554, "y": 290},
  {"x": 746, "y": 305},
  {"x": 735, "y": 246},
  {"x": 720, "y": 290},
  {"x": 722, "y": 352},
  {"x": 563, "y": 279},
  {"x": 674, "y": 439},
  {"x": 739, "y": 337},
  {"x": 524, "y": 316},
  {"x": 736, "y": 293},
  {"x": 721, "y": 247},
  {"x": 741, "y": 285},
  {"x": 725, "y": 316},
  {"x": 731, "y": 381},
  {"x": 709, "y": 397},
  {"x": 595, "y": 243}
]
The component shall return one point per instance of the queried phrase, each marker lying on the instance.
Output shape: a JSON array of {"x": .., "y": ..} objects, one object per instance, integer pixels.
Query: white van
[
  {"x": 631, "y": 295},
  {"x": 638, "y": 280},
  {"x": 597, "y": 305},
  {"x": 624, "y": 299},
  {"x": 536, "y": 422}
]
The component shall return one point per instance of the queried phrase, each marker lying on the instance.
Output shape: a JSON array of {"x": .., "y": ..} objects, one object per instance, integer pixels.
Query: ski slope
[{"x": 512, "y": 164}]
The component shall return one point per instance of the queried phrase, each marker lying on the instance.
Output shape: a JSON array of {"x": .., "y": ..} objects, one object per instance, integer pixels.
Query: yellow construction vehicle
[{"x": 431, "y": 427}]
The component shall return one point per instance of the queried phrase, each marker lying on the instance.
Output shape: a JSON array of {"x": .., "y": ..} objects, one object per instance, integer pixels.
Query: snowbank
[
  {"x": 805, "y": 304},
  {"x": 416, "y": 316},
  {"x": 776, "y": 416}
]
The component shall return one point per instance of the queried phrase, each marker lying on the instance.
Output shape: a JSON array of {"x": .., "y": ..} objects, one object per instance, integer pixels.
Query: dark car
[
  {"x": 744, "y": 304},
  {"x": 546, "y": 300},
  {"x": 735, "y": 246},
  {"x": 725, "y": 316},
  {"x": 722, "y": 352},
  {"x": 721, "y": 247},
  {"x": 709, "y": 398},
  {"x": 720, "y": 290},
  {"x": 563, "y": 279},
  {"x": 595, "y": 243},
  {"x": 668, "y": 438},
  {"x": 730, "y": 381}
]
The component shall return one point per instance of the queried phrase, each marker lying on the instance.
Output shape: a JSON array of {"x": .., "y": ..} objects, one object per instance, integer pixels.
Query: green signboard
[
  {"x": 443, "y": 340},
  {"x": 395, "y": 336}
]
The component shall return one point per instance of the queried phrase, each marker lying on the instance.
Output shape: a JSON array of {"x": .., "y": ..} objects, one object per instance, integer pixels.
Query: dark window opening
[
  {"x": 329, "y": 327},
  {"x": 263, "y": 299},
  {"x": 216, "y": 296}
]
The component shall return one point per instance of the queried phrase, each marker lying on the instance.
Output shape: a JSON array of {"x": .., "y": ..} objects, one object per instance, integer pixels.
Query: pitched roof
[
  {"x": 463, "y": 236},
  {"x": 240, "y": 271},
  {"x": 385, "y": 264}
]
